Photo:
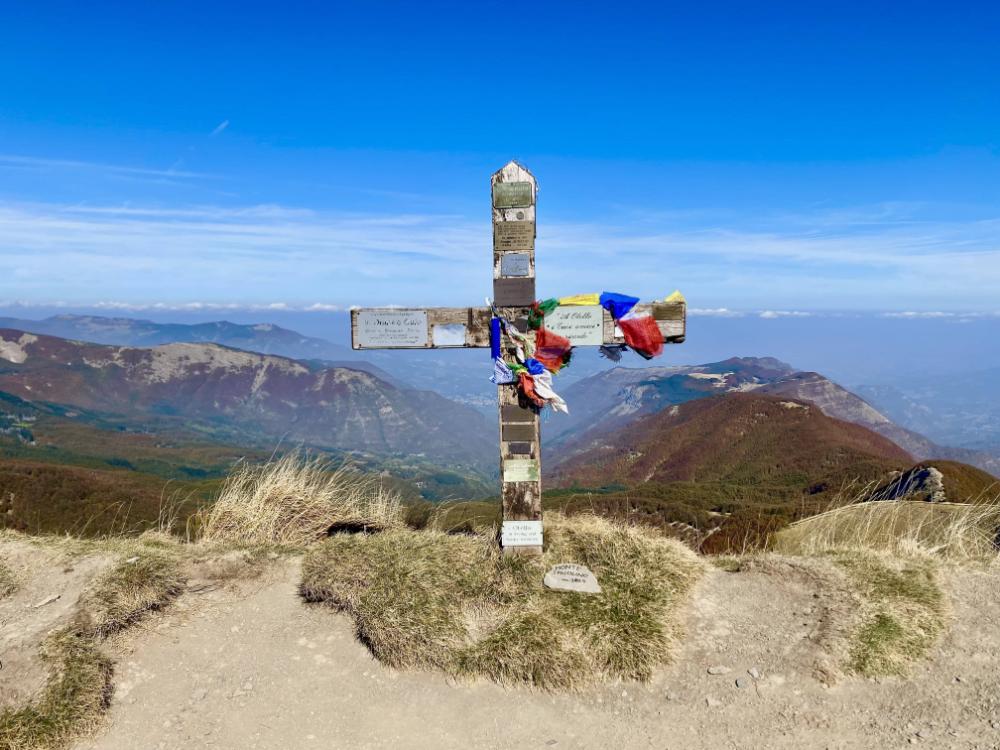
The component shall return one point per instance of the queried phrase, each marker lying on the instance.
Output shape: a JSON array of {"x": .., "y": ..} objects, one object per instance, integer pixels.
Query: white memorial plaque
[
  {"x": 448, "y": 334},
  {"x": 572, "y": 577},
  {"x": 522, "y": 534},
  {"x": 515, "y": 264},
  {"x": 392, "y": 328},
  {"x": 583, "y": 325}
]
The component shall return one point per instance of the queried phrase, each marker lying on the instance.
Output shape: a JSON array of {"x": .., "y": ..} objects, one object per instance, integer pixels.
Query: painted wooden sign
[
  {"x": 512, "y": 195},
  {"x": 521, "y": 534},
  {"x": 515, "y": 264},
  {"x": 392, "y": 328},
  {"x": 583, "y": 325},
  {"x": 514, "y": 235}
]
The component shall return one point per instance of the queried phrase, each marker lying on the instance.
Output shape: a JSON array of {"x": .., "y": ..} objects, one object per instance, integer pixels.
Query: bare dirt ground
[
  {"x": 50, "y": 585},
  {"x": 248, "y": 665}
]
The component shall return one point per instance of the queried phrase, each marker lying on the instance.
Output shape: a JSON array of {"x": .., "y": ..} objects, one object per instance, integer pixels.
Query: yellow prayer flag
[
  {"x": 676, "y": 297},
  {"x": 581, "y": 299}
]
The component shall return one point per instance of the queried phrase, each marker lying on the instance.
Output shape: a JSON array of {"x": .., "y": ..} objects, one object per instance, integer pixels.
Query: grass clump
[
  {"x": 426, "y": 599},
  {"x": 137, "y": 585},
  {"x": 77, "y": 693},
  {"x": 8, "y": 582},
  {"x": 955, "y": 532},
  {"x": 902, "y": 614},
  {"x": 296, "y": 500},
  {"x": 78, "y": 690}
]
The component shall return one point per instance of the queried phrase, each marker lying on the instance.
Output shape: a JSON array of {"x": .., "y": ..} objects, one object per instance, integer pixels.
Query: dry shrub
[
  {"x": 427, "y": 599},
  {"x": 296, "y": 500},
  {"x": 951, "y": 531}
]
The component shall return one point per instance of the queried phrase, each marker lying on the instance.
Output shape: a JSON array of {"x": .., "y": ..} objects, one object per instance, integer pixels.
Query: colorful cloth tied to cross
[{"x": 538, "y": 359}]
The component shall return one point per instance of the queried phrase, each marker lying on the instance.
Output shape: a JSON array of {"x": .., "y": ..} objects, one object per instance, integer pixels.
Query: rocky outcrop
[{"x": 921, "y": 483}]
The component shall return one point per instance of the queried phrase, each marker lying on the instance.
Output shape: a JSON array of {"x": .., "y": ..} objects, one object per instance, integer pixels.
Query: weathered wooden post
[{"x": 514, "y": 194}]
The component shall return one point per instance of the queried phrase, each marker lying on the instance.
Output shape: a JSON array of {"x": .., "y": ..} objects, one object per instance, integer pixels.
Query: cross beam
[{"x": 514, "y": 191}]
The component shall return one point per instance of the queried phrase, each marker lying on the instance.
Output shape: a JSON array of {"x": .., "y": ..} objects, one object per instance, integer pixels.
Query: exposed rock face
[{"x": 919, "y": 483}]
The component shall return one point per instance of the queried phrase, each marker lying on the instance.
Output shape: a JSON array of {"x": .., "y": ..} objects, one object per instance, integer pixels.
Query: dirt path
[
  {"x": 50, "y": 583},
  {"x": 252, "y": 667}
]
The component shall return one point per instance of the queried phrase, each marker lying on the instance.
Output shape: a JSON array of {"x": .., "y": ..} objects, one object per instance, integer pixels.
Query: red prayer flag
[
  {"x": 643, "y": 335},
  {"x": 551, "y": 349}
]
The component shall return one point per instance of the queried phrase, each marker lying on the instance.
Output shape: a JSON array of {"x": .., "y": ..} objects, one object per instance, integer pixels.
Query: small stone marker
[{"x": 572, "y": 577}]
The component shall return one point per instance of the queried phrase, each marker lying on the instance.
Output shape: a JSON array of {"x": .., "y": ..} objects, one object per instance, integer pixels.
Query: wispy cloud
[
  {"x": 219, "y": 128},
  {"x": 715, "y": 312},
  {"x": 32, "y": 162},
  {"x": 775, "y": 314},
  {"x": 251, "y": 255}
]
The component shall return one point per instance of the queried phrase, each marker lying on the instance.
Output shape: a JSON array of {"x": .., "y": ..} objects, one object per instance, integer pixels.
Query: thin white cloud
[
  {"x": 775, "y": 314},
  {"x": 255, "y": 254},
  {"x": 219, "y": 128},
  {"x": 40, "y": 163},
  {"x": 715, "y": 312}
]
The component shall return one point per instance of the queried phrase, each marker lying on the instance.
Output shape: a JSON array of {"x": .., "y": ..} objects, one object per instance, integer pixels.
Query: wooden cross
[{"x": 514, "y": 191}]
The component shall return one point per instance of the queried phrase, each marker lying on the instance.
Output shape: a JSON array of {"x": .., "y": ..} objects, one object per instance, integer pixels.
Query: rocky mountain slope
[
  {"x": 617, "y": 397},
  {"x": 235, "y": 391},
  {"x": 261, "y": 337},
  {"x": 264, "y": 338}
]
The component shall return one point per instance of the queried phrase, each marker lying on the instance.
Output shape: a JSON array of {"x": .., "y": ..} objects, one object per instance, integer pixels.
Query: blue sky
[{"x": 780, "y": 158}]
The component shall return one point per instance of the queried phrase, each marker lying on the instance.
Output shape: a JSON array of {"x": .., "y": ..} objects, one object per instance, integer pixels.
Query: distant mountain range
[
  {"x": 962, "y": 409},
  {"x": 600, "y": 399},
  {"x": 619, "y": 396},
  {"x": 238, "y": 395},
  {"x": 459, "y": 374}
]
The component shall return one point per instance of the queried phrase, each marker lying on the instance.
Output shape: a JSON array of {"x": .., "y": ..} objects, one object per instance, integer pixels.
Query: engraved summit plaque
[
  {"x": 515, "y": 264},
  {"x": 514, "y": 235},
  {"x": 392, "y": 328},
  {"x": 512, "y": 195}
]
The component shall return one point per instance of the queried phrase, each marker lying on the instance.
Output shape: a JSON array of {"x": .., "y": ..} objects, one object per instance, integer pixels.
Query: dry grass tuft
[
  {"x": 432, "y": 600},
  {"x": 8, "y": 581},
  {"x": 891, "y": 552},
  {"x": 137, "y": 585},
  {"x": 950, "y": 531},
  {"x": 902, "y": 611},
  {"x": 296, "y": 500}
]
